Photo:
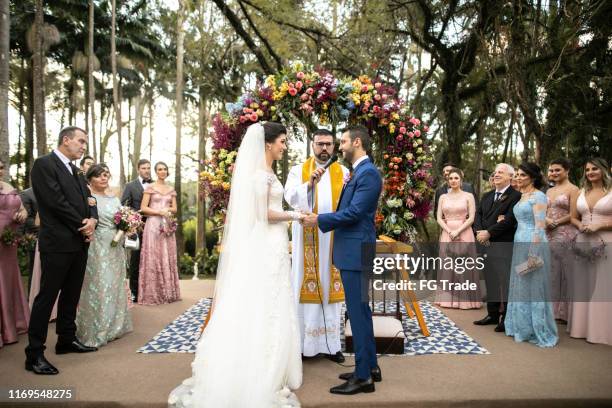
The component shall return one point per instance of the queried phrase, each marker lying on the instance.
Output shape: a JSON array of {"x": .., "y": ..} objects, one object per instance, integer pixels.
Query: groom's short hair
[{"x": 362, "y": 133}]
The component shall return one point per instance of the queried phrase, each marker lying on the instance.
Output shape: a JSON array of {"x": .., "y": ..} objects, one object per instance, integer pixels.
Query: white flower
[
  {"x": 394, "y": 203},
  {"x": 408, "y": 215}
]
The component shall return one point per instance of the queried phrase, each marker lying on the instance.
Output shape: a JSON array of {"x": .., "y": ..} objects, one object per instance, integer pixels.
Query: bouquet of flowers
[
  {"x": 168, "y": 225},
  {"x": 9, "y": 237},
  {"x": 128, "y": 221},
  {"x": 28, "y": 242}
]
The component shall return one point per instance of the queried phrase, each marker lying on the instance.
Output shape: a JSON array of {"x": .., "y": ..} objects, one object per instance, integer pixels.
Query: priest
[{"x": 316, "y": 282}]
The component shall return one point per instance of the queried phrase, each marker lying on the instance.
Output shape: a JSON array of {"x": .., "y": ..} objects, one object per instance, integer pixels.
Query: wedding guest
[
  {"x": 85, "y": 163},
  {"x": 590, "y": 314},
  {"x": 132, "y": 196},
  {"x": 560, "y": 233},
  {"x": 158, "y": 280},
  {"x": 495, "y": 226},
  {"x": 29, "y": 226},
  {"x": 444, "y": 188},
  {"x": 530, "y": 316},
  {"x": 14, "y": 311},
  {"x": 103, "y": 314},
  {"x": 514, "y": 183},
  {"x": 35, "y": 282},
  {"x": 456, "y": 213}
]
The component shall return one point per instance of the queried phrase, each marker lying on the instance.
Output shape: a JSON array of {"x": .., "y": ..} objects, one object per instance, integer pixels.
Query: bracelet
[{"x": 294, "y": 215}]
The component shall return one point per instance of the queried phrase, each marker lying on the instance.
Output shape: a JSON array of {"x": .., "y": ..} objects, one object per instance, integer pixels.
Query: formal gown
[
  {"x": 251, "y": 360},
  {"x": 14, "y": 311},
  {"x": 560, "y": 240},
  {"x": 103, "y": 314},
  {"x": 455, "y": 211},
  {"x": 530, "y": 316},
  {"x": 158, "y": 279},
  {"x": 35, "y": 286},
  {"x": 590, "y": 314}
]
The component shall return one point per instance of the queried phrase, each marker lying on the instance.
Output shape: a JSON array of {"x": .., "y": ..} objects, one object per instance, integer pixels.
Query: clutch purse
[
  {"x": 132, "y": 242},
  {"x": 524, "y": 268}
]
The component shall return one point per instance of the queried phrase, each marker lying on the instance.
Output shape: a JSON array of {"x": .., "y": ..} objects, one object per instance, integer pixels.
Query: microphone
[
  {"x": 331, "y": 161},
  {"x": 328, "y": 163}
]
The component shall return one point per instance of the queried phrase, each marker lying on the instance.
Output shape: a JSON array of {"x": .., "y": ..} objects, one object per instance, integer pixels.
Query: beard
[{"x": 322, "y": 157}]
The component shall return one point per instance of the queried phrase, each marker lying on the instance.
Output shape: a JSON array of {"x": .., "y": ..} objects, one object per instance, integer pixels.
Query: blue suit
[{"x": 353, "y": 225}]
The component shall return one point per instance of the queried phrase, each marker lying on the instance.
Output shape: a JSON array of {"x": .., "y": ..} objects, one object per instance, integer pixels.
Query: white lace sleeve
[{"x": 263, "y": 184}]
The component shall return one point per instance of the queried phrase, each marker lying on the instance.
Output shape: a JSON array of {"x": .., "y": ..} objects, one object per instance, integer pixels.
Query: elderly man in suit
[
  {"x": 355, "y": 232},
  {"x": 494, "y": 228},
  {"x": 132, "y": 196},
  {"x": 68, "y": 218}
]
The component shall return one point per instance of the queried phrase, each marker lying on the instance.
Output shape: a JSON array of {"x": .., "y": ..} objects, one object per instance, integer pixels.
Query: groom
[{"x": 353, "y": 223}]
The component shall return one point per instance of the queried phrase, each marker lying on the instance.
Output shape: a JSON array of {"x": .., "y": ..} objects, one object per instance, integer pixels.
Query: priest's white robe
[{"x": 313, "y": 318}]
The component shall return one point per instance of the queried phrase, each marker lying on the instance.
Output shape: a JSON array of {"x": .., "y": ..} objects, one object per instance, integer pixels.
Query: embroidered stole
[{"x": 310, "y": 291}]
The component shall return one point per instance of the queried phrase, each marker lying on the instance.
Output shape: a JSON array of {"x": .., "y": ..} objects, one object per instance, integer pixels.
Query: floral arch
[{"x": 308, "y": 97}]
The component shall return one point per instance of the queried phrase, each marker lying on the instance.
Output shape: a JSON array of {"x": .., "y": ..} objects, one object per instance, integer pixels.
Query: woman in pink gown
[
  {"x": 455, "y": 216},
  {"x": 590, "y": 314},
  {"x": 14, "y": 311},
  {"x": 35, "y": 286},
  {"x": 158, "y": 280},
  {"x": 560, "y": 233}
]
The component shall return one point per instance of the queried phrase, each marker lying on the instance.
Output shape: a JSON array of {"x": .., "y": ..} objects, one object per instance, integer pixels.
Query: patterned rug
[{"x": 181, "y": 336}]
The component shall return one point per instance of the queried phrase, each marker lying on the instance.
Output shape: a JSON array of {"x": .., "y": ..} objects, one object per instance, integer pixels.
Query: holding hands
[{"x": 88, "y": 228}]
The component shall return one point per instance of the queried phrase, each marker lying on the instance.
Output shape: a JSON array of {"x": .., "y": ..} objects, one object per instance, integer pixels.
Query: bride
[{"x": 249, "y": 353}]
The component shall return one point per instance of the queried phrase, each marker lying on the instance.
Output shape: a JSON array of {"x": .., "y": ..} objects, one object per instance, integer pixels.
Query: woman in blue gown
[{"x": 530, "y": 315}]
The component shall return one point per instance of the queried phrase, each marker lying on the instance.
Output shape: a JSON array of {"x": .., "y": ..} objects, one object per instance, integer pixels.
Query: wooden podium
[{"x": 388, "y": 329}]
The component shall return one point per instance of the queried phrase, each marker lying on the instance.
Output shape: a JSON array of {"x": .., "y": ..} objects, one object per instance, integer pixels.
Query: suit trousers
[
  {"x": 60, "y": 271},
  {"x": 360, "y": 315}
]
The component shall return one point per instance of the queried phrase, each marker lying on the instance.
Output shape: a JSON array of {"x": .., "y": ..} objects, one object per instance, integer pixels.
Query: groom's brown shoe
[
  {"x": 354, "y": 386},
  {"x": 74, "y": 347},
  {"x": 376, "y": 374}
]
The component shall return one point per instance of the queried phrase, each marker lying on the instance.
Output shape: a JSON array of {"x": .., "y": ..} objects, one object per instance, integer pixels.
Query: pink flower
[
  {"x": 347, "y": 178},
  {"x": 310, "y": 91},
  {"x": 299, "y": 85},
  {"x": 417, "y": 133},
  {"x": 292, "y": 91},
  {"x": 304, "y": 97},
  {"x": 426, "y": 128},
  {"x": 364, "y": 88},
  {"x": 402, "y": 130},
  {"x": 377, "y": 97},
  {"x": 415, "y": 121},
  {"x": 243, "y": 119},
  {"x": 377, "y": 85},
  {"x": 410, "y": 134},
  {"x": 253, "y": 116},
  {"x": 384, "y": 97},
  {"x": 300, "y": 75},
  {"x": 399, "y": 138}
]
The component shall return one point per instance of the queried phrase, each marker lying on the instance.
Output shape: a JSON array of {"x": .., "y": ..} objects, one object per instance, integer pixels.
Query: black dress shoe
[
  {"x": 375, "y": 373},
  {"x": 487, "y": 320},
  {"x": 354, "y": 386},
  {"x": 41, "y": 366},
  {"x": 74, "y": 347},
  {"x": 336, "y": 358},
  {"x": 500, "y": 327}
]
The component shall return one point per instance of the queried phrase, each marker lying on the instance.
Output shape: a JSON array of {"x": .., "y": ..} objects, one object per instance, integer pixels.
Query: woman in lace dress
[
  {"x": 529, "y": 316},
  {"x": 455, "y": 216},
  {"x": 249, "y": 353},
  {"x": 560, "y": 233},
  {"x": 103, "y": 314},
  {"x": 158, "y": 279},
  {"x": 590, "y": 314}
]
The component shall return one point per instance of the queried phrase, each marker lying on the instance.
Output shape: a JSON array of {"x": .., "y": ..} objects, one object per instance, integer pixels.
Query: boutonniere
[
  {"x": 92, "y": 201},
  {"x": 347, "y": 178},
  {"x": 502, "y": 198}
]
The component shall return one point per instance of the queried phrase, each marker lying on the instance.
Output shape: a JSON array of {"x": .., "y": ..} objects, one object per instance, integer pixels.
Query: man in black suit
[
  {"x": 494, "y": 227},
  {"x": 29, "y": 227},
  {"x": 68, "y": 218},
  {"x": 443, "y": 189},
  {"x": 132, "y": 196}
]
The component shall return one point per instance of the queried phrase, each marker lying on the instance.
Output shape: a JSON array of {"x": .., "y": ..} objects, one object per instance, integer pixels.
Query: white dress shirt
[{"x": 64, "y": 160}]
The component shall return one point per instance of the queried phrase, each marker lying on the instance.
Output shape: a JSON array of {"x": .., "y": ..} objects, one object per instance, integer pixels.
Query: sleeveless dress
[
  {"x": 103, "y": 314},
  {"x": 590, "y": 316},
  {"x": 254, "y": 359},
  {"x": 560, "y": 240},
  {"x": 14, "y": 311},
  {"x": 158, "y": 280},
  {"x": 530, "y": 316},
  {"x": 455, "y": 211}
]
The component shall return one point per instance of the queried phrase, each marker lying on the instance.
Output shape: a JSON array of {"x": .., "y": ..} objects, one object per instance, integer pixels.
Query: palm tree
[
  {"x": 5, "y": 27},
  {"x": 38, "y": 72},
  {"x": 180, "y": 39}
]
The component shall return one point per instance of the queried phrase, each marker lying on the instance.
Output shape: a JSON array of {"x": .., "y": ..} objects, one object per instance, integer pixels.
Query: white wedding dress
[{"x": 249, "y": 354}]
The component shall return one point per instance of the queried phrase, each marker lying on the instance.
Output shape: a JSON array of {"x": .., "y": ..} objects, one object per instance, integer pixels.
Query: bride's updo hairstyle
[
  {"x": 534, "y": 172},
  {"x": 272, "y": 130}
]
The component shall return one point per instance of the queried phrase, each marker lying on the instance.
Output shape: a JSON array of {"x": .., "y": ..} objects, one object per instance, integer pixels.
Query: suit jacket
[
  {"x": 353, "y": 221},
  {"x": 443, "y": 189},
  {"x": 29, "y": 203},
  {"x": 132, "y": 194},
  {"x": 62, "y": 204},
  {"x": 489, "y": 210}
]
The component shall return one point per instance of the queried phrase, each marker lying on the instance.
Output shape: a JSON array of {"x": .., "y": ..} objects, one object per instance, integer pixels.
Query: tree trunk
[
  {"x": 116, "y": 91},
  {"x": 38, "y": 72},
  {"x": 452, "y": 119},
  {"x": 5, "y": 29},
  {"x": 151, "y": 127},
  {"x": 29, "y": 123},
  {"x": 90, "y": 84},
  {"x": 141, "y": 103},
  {"x": 203, "y": 133},
  {"x": 180, "y": 38}
]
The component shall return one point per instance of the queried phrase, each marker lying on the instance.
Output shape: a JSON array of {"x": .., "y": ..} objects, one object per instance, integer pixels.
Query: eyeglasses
[{"x": 324, "y": 144}]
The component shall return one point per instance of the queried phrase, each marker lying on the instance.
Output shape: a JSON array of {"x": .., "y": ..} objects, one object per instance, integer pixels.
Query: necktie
[{"x": 497, "y": 194}]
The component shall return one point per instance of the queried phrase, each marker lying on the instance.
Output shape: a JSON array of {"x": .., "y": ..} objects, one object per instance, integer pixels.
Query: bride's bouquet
[
  {"x": 128, "y": 221},
  {"x": 168, "y": 225}
]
